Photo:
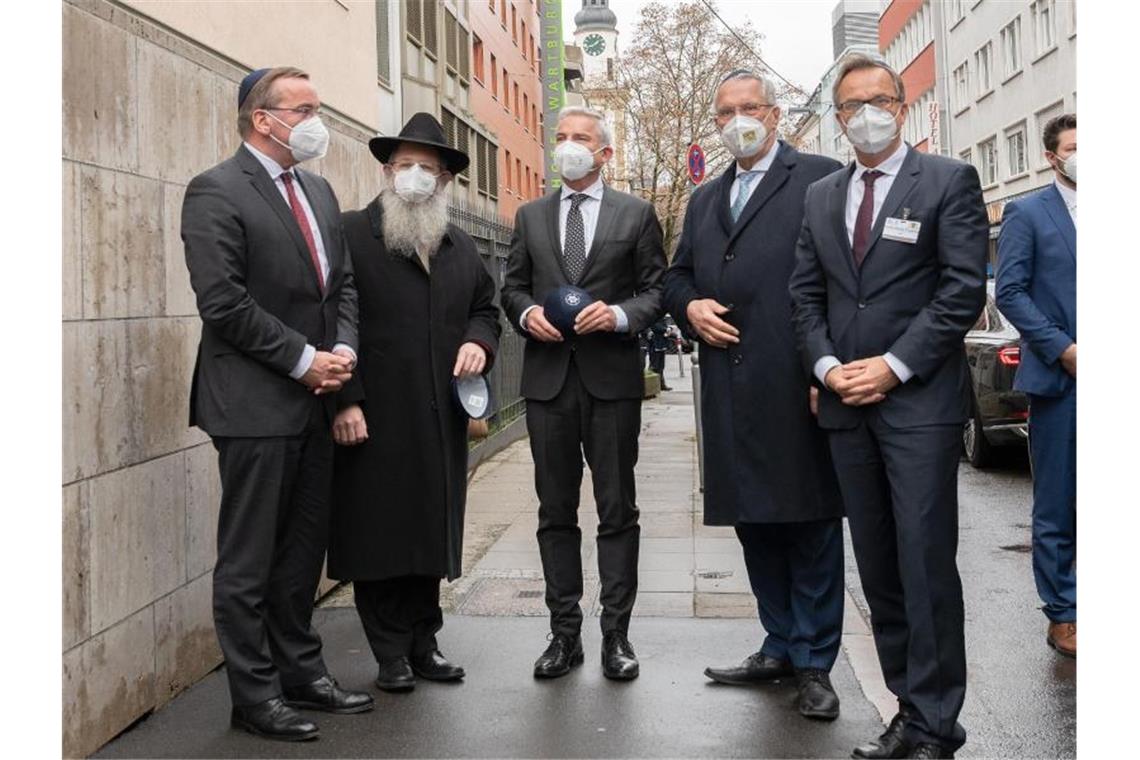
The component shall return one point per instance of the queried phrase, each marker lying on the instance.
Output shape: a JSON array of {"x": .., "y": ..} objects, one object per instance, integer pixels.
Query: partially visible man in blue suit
[{"x": 1037, "y": 292}]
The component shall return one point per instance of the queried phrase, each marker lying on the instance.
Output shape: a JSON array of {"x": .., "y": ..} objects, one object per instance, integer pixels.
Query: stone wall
[{"x": 144, "y": 110}]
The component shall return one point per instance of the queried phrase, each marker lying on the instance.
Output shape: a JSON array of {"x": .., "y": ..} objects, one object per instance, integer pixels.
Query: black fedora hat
[{"x": 421, "y": 129}]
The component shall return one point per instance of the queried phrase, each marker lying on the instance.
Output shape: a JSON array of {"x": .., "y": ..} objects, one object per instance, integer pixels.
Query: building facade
[
  {"x": 1012, "y": 67},
  {"x": 910, "y": 39},
  {"x": 506, "y": 100},
  {"x": 817, "y": 130},
  {"x": 149, "y": 101},
  {"x": 854, "y": 22}
]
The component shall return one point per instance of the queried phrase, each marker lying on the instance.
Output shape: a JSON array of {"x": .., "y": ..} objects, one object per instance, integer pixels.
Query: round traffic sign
[{"x": 696, "y": 164}]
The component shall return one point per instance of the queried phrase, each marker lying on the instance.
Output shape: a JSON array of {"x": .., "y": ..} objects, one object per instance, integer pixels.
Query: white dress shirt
[
  {"x": 855, "y": 191},
  {"x": 1069, "y": 196},
  {"x": 275, "y": 171},
  {"x": 760, "y": 167},
  {"x": 589, "y": 208}
]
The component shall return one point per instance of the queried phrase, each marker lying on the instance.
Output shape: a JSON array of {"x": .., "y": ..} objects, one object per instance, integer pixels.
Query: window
[
  {"x": 451, "y": 40},
  {"x": 956, "y": 11},
  {"x": 492, "y": 4},
  {"x": 1016, "y": 150},
  {"x": 383, "y": 51},
  {"x": 522, "y": 37},
  {"x": 967, "y": 155},
  {"x": 987, "y": 154},
  {"x": 526, "y": 112},
  {"x": 1042, "y": 118},
  {"x": 506, "y": 90},
  {"x": 518, "y": 176},
  {"x": 1044, "y": 26},
  {"x": 1011, "y": 47},
  {"x": 431, "y": 31},
  {"x": 493, "y": 170},
  {"x": 983, "y": 65},
  {"x": 507, "y": 169},
  {"x": 514, "y": 25},
  {"x": 962, "y": 86},
  {"x": 415, "y": 20},
  {"x": 516, "y": 100},
  {"x": 494, "y": 76},
  {"x": 503, "y": 13},
  {"x": 477, "y": 57}
]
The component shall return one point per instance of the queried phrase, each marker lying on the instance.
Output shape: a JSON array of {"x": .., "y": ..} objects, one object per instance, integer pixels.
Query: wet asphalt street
[{"x": 1020, "y": 700}]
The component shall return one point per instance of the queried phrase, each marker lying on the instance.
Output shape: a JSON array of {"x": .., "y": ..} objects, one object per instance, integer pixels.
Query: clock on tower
[{"x": 594, "y": 44}]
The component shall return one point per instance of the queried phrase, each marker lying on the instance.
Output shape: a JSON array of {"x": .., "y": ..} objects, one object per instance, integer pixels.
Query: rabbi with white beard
[{"x": 427, "y": 315}]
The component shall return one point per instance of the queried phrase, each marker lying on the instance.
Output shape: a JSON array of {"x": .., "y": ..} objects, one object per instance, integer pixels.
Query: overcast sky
[{"x": 797, "y": 33}]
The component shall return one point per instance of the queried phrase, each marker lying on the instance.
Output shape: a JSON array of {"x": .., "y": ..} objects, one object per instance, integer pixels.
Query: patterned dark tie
[
  {"x": 863, "y": 218},
  {"x": 574, "y": 247}
]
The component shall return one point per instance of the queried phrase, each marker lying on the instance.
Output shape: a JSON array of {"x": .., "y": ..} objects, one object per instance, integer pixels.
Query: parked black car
[{"x": 1000, "y": 415}]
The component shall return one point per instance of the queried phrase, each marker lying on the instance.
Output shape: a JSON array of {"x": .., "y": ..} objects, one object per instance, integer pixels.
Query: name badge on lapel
[{"x": 903, "y": 230}]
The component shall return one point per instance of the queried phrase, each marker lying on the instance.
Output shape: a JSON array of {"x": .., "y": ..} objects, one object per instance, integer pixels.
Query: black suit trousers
[
  {"x": 900, "y": 488},
  {"x": 272, "y": 536},
  {"x": 400, "y": 615},
  {"x": 561, "y": 430}
]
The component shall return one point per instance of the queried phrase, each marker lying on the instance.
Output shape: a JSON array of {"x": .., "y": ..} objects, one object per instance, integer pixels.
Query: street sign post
[{"x": 696, "y": 164}]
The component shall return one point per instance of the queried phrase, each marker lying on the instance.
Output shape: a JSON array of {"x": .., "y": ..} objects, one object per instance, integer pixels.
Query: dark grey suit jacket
[
  {"x": 916, "y": 301},
  {"x": 623, "y": 268},
  {"x": 259, "y": 299}
]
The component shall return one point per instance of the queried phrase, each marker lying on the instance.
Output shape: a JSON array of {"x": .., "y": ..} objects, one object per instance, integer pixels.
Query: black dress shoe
[
  {"x": 930, "y": 751},
  {"x": 434, "y": 667},
  {"x": 816, "y": 699},
  {"x": 274, "y": 719},
  {"x": 395, "y": 675},
  {"x": 618, "y": 660},
  {"x": 324, "y": 694},
  {"x": 890, "y": 743},
  {"x": 756, "y": 668},
  {"x": 563, "y": 653}
]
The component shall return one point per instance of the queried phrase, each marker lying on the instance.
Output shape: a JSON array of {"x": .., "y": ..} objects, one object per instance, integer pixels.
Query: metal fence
[{"x": 492, "y": 236}]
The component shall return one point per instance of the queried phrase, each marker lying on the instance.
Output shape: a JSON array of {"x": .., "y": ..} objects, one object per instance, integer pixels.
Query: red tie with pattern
[
  {"x": 303, "y": 223},
  {"x": 863, "y": 218}
]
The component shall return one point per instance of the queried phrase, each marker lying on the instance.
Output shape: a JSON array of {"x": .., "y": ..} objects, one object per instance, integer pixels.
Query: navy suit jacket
[
  {"x": 1037, "y": 287},
  {"x": 916, "y": 300}
]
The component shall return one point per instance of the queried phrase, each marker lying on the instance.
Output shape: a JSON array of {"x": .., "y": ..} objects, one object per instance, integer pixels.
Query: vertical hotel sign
[{"x": 553, "y": 84}]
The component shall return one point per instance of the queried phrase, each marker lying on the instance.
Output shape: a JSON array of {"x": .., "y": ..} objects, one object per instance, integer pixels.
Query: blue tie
[{"x": 742, "y": 195}]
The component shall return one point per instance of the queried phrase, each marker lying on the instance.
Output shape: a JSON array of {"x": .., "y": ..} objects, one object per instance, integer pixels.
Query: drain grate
[
  {"x": 714, "y": 574},
  {"x": 528, "y": 594},
  {"x": 1019, "y": 548}
]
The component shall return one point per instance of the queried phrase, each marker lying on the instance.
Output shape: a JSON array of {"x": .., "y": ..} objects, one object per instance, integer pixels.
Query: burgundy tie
[
  {"x": 306, "y": 230},
  {"x": 863, "y": 218}
]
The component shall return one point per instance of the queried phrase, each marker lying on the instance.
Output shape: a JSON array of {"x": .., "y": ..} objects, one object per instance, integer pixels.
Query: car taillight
[{"x": 1010, "y": 356}]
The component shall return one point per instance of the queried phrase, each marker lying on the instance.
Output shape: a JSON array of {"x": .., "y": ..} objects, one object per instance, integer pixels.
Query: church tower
[{"x": 595, "y": 33}]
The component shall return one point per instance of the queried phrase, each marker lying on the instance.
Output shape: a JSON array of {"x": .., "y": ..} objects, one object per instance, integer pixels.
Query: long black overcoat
[
  {"x": 765, "y": 458},
  {"x": 399, "y": 497}
]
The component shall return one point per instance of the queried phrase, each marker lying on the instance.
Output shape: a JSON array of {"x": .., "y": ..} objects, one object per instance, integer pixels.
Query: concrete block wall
[{"x": 144, "y": 110}]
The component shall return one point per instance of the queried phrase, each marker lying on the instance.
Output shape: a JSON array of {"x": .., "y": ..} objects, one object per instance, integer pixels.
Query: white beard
[{"x": 408, "y": 225}]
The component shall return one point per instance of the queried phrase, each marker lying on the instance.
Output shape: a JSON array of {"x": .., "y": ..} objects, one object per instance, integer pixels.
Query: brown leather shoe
[{"x": 1063, "y": 638}]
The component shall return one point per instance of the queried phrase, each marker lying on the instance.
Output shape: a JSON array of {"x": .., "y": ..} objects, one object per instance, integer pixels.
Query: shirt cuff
[
  {"x": 622, "y": 319},
  {"x": 901, "y": 370},
  {"x": 303, "y": 364},
  {"x": 347, "y": 348},
  {"x": 823, "y": 365},
  {"x": 522, "y": 317}
]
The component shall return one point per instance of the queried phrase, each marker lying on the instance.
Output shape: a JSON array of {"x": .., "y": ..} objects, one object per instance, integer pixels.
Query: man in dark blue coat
[
  {"x": 767, "y": 467},
  {"x": 1037, "y": 292}
]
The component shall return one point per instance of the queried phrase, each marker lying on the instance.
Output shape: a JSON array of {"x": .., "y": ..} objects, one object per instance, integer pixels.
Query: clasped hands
[
  {"x": 329, "y": 371},
  {"x": 862, "y": 382},
  {"x": 597, "y": 317}
]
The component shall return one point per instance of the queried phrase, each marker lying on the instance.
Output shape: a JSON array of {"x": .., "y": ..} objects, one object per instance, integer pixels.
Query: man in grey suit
[
  {"x": 890, "y": 275},
  {"x": 584, "y": 389},
  {"x": 275, "y": 292}
]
